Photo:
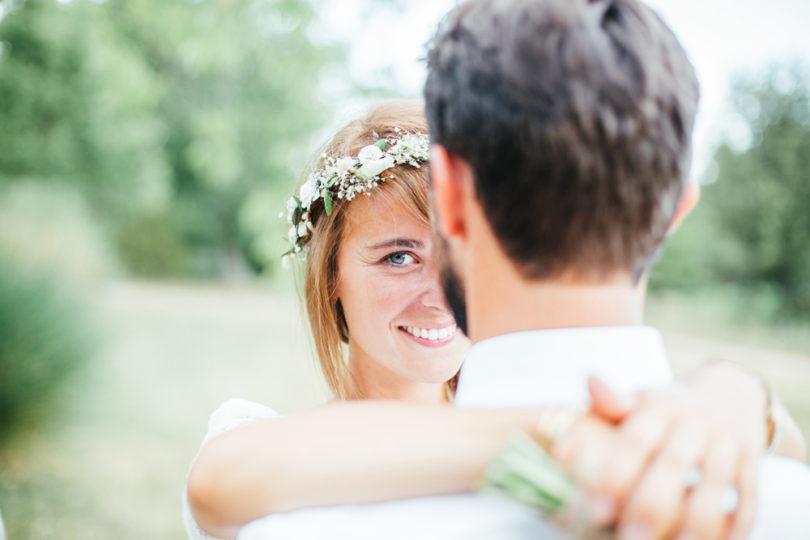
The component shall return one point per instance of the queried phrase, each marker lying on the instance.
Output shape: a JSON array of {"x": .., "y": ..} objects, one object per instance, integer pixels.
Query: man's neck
[{"x": 500, "y": 301}]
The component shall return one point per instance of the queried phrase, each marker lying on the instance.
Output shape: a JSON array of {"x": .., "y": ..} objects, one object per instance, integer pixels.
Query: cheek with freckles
[
  {"x": 392, "y": 296},
  {"x": 389, "y": 291},
  {"x": 376, "y": 302}
]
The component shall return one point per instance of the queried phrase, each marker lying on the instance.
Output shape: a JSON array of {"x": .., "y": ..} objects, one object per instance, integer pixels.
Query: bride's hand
[{"x": 638, "y": 473}]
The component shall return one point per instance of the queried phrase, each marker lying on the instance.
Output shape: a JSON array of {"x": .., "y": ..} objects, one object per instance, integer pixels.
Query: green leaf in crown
[
  {"x": 345, "y": 177},
  {"x": 327, "y": 202}
]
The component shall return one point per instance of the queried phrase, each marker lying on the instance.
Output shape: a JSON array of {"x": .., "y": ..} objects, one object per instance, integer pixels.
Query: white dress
[{"x": 231, "y": 414}]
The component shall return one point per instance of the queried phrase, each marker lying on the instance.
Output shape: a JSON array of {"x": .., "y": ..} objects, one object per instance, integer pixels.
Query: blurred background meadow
[{"x": 146, "y": 149}]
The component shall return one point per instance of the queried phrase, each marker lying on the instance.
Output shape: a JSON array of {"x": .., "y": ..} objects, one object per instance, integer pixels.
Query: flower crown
[{"x": 344, "y": 178}]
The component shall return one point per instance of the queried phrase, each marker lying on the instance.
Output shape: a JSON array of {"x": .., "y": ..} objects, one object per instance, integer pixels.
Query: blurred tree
[
  {"x": 80, "y": 108},
  {"x": 173, "y": 117},
  {"x": 63, "y": 103},
  {"x": 752, "y": 229},
  {"x": 46, "y": 339},
  {"x": 762, "y": 195},
  {"x": 242, "y": 91}
]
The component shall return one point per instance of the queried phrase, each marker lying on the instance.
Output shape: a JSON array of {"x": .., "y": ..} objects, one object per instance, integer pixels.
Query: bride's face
[{"x": 399, "y": 323}]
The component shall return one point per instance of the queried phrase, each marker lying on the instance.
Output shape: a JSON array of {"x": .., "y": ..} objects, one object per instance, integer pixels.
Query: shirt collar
[{"x": 542, "y": 368}]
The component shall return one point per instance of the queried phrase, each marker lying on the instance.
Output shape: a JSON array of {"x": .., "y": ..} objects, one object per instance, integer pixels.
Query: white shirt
[{"x": 528, "y": 369}]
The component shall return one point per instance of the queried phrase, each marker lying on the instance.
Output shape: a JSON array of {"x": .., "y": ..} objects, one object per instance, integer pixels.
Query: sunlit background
[{"x": 146, "y": 148}]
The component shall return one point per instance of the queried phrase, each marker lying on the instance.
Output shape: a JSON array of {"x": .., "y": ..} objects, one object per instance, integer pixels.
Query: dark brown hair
[{"x": 576, "y": 118}]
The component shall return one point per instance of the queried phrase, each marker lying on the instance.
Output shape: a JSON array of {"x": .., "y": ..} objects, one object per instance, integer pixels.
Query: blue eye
[{"x": 400, "y": 258}]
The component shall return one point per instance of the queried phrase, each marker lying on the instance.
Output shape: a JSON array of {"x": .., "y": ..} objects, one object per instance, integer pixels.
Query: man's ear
[
  {"x": 689, "y": 199},
  {"x": 450, "y": 177}
]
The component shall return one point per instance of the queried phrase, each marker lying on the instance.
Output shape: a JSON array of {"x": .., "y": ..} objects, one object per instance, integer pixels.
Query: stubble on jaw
[{"x": 450, "y": 281}]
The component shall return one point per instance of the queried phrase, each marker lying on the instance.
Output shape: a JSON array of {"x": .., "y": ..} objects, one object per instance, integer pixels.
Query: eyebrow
[{"x": 398, "y": 242}]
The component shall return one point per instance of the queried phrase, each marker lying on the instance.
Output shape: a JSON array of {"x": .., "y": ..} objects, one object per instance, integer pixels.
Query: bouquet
[{"x": 525, "y": 472}]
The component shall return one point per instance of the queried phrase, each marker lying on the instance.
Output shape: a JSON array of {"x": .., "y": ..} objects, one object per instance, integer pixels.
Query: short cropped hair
[{"x": 576, "y": 118}]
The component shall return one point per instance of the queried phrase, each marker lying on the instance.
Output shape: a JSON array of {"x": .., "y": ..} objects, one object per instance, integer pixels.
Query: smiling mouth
[{"x": 431, "y": 334}]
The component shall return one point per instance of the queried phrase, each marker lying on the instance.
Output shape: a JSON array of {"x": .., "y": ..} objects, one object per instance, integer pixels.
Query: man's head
[{"x": 574, "y": 120}]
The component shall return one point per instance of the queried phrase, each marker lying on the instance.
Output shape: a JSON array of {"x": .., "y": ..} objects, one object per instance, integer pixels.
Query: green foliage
[
  {"x": 241, "y": 92},
  {"x": 688, "y": 257},
  {"x": 77, "y": 107},
  {"x": 44, "y": 340},
  {"x": 149, "y": 245},
  {"x": 168, "y": 116},
  {"x": 753, "y": 230},
  {"x": 51, "y": 253},
  {"x": 762, "y": 197},
  {"x": 47, "y": 225}
]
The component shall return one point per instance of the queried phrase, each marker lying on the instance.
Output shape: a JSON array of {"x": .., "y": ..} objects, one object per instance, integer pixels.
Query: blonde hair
[{"x": 408, "y": 185}]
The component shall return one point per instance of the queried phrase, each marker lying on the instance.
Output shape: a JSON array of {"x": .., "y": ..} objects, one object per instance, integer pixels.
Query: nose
[{"x": 433, "y": 295}]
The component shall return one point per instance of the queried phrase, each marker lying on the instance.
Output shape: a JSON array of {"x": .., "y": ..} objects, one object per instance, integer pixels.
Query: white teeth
[{"x": 431, "y": 334}]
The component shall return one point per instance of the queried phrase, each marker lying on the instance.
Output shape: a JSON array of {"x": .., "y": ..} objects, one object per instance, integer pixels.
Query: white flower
[
  {"x": 369, "y": 153},
  {"x": 411, "y": 148},
  {"x": 291, "y": 206},
  {"x": 308, "y": 192},
  {"x": 344, "y": 179},
  {"x": 344, "y": 164},
  {"x": 370, "y": 169}
]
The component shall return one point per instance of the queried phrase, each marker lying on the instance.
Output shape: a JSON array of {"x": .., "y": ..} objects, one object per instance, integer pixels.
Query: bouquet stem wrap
[{"x": 524, "y": 471}]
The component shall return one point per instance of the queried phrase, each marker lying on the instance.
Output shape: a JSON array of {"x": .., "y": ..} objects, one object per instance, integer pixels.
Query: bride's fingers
[
  {"x": 581, "y": 448},
  {"x": 656, "y": 504},
  {"x": 608, "y": 467},
  {"x": 640, "y": 437},
  {"x": 707, "y": 516}
]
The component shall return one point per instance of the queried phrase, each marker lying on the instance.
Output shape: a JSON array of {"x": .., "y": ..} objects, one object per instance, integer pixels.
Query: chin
[{"x": 438, "y": 372}]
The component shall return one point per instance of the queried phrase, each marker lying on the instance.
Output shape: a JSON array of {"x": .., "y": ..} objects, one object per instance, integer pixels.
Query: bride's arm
[
  {"x": 345, "y": 453},
  {"x": 371, "y": 451}
]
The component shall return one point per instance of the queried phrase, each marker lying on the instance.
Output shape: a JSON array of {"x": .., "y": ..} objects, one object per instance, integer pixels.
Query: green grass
[
  {"x": 115, "y": 465},
  {"x": 112, "y": 464},
  {"x": 726, "y": 314}
]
